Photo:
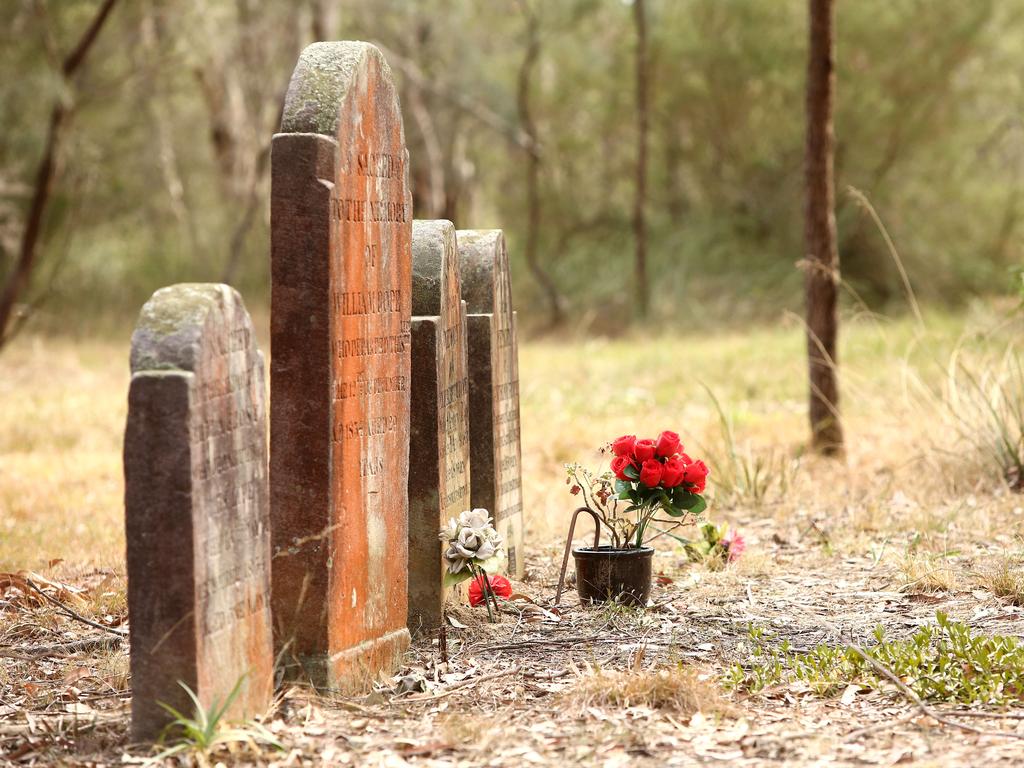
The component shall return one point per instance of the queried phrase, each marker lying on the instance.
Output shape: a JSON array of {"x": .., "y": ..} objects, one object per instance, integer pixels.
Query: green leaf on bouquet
[
  {"x": 631, "y": 472},
  {"x": 451, "y": 579},
  {"x": 682, "y": 540},
  {"x": 623, "y": 488},
  {"x": 672, "y": 509},
  {"x": 691, "y": 502}
]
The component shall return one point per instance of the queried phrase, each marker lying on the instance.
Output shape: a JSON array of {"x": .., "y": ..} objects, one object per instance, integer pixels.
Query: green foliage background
[{"x": 928, "y": 126}]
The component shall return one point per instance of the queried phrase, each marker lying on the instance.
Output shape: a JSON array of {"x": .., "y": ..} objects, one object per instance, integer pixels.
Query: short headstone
[
  {"x": 495, "y": 475},
  {"x": 197, "y": 508},
  {"x": 439, "y": 436},
  {"x": 341, "y": 226}
]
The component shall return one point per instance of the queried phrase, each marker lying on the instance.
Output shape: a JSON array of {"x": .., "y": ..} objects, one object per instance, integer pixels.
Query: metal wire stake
[{"x": 568, "y": 545}]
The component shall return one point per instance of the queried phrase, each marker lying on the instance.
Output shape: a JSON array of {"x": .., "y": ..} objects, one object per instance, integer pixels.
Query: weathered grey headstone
[
  {"x": 197, "y": 508},
  {"x": 495, "y": 453},
  {"x": 439, "y": 436},
  {"x": 341, "y": 225}
]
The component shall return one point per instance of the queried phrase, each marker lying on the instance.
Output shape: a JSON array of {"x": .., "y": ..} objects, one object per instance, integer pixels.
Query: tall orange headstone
[{"x": 341, "y": 229}]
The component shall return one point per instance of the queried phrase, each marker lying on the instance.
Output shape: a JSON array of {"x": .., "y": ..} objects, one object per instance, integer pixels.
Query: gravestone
[
  {"x": 341, "y": 226},
  {"x": 197, "y": 508},
  {"x": 439, "y": 435},
  {"x": 495, "y": 475}
]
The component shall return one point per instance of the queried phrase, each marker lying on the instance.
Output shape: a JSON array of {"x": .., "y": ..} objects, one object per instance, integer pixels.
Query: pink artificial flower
[{"x": 734, "y": 545}]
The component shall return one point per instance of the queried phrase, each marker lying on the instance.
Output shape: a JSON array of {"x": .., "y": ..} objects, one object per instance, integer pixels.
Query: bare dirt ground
[{"x": 914, "y": 521}]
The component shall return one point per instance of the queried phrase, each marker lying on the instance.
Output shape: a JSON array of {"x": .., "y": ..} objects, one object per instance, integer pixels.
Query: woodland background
[{"x": 162, "y": 169}]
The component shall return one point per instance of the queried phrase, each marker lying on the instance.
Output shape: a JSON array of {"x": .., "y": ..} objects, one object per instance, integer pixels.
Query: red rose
[
  {"x": 696, "y": 474},
  {"x": 619, "y": 464},
  {"x": 672, "y": 473},
  {"x": 668, "y": 444},
  {"x": 650, "y": 473},
  {"x": 623, "y": 446},
  {"x": 643, "y": 450},
  {"x": 499, "y": 586}
]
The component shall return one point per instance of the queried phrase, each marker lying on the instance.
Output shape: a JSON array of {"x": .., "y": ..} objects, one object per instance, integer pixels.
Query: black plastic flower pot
[{"x": 605, "y": 574}]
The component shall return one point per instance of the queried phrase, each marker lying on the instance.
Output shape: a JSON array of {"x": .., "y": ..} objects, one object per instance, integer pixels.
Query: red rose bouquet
[{"x": 654, "y": 477}]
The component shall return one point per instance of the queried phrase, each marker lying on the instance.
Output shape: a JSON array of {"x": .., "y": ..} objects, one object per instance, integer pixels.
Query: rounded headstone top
[
  {"x": 169, "y": 332},
  {"x": 482, "y": 260},
  {"x": 320, "y": 82},
  {"x": 434, "y": 252}
]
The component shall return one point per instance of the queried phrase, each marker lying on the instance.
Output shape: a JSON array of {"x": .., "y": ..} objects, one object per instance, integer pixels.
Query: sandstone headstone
[
  {"x": 495, "y": 475},
  {"x": 197, "y": 508},
  {"x": 341, "y": 225},
  {"x": 439, "y": 436}
]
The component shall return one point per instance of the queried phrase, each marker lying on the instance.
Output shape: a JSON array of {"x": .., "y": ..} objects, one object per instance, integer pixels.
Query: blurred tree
[
  {"x": 821, "y": 263},
  {"x": 532, "y": 126},
  {"x": 17, "y": 281},
  {"x": 531, "y": 55},
  {"x": 643, "y": 299}
]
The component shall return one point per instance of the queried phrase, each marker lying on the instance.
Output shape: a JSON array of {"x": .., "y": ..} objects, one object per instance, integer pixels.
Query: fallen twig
[
  {"x": 60, "y": 649},
  {"x": 74, "y": 615},
  {"x": 574, "y": 641}
]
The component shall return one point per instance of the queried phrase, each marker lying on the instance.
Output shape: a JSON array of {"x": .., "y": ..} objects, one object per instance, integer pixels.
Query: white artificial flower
[
  {"x": 475, "y": 518},
  {"x": 485, "y": 551},
  {"x": 451, "y": 532},
  {"x": 456, "y": 561},
  {"x": 470, "y": 539}
]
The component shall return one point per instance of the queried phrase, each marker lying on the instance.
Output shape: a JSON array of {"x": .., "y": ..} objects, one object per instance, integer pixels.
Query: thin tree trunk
[
  {"x": 822, "y": 258},
  {"x": 556, "y": 313},
  {"x": 643, "y": 298},
  {"x": 46, "y": 172}
]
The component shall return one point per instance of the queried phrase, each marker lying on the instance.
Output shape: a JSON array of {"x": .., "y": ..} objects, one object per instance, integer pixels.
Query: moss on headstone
[{"x": 321, "y": 80}]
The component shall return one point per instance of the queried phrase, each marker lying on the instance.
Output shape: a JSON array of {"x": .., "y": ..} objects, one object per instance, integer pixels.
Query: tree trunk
[
  {"x": 643, "y": 299},
  {"x": 46, "y": 173},
  {"x": 822, "y": 258},
  {"x": 556, "y": 314}
]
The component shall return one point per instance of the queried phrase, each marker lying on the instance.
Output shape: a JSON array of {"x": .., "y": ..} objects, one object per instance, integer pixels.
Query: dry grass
[
  {"x": 62, "y": 411},
  {"x": 927, "y": 574},
  {"x": 1005, "y": 581},
  {"x": 675, "y": 688}
]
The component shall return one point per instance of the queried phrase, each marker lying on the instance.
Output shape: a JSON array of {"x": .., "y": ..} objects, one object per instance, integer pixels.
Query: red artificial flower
[
  {"x": 623, "y": 446},
  {"x": 643, "y": 450},
  {"x": 619, "y": 464},
  {"x": 668, "y": 444},
  {"x": 499, "y": 586},
  {"x": 650, "y": 473},
  {"x": 696, "y": 475},
  {"x": 672, "y": 473}
]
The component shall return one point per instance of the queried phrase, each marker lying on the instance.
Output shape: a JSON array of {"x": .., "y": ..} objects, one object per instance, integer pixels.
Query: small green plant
[
  {"x": 941, "y": 662},
  {"x": 200, "y": 734}
]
